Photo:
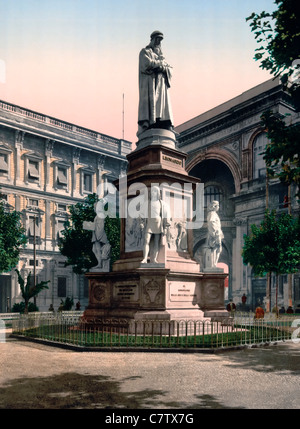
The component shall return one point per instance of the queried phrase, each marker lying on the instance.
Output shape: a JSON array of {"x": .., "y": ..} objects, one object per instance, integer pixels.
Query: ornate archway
[{"x": 220, "y": 155}]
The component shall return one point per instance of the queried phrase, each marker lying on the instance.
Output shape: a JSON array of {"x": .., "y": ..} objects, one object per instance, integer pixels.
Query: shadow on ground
[
  {"x": 79, "y": 391},
  {"x": 276, "y": 358}
]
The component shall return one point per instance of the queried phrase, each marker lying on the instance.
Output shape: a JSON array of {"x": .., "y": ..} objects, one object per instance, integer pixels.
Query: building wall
[
  {"x": 47, "y": 165},
  {"x": 224, "y": 147}
]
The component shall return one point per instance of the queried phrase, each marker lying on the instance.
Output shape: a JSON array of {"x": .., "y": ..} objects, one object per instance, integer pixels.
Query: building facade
[
  {"x": 46, "y": 165},
  {"x": 224, "y": 147}
]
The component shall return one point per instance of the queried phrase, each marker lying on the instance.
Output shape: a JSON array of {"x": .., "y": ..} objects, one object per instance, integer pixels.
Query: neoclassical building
[
  {"x": 46, "y": 165},
  {"x": 224, "y": 148}
]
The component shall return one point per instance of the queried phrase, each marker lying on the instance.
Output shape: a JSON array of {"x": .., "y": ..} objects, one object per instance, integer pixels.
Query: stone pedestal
[
  {"x": 157, "y": 293},
  {"x": 174, "y": 288}
]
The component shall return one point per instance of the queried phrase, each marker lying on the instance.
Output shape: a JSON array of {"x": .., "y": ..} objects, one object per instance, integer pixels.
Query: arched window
[
  {"x": 259, "y": 165},
  {"x": 212, "y": 193}
]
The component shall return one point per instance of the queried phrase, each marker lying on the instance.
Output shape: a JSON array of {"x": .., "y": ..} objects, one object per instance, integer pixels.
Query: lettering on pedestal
[
  {"x": 172, "y": 160},
  {"x": 182, "y": 291},
  {"x": 126, "y": 292}
]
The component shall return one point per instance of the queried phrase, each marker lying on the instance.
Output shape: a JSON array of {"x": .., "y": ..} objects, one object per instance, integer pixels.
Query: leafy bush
[
  {"x": 66, "y": 305},
  {"x": 20, "y": 307}
]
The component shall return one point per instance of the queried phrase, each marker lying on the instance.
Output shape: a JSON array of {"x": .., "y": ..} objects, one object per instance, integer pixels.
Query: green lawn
[{"x": 97, "y": 338}]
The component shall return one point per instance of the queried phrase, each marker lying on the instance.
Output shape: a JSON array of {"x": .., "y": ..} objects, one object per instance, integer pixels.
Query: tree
[
  {"x": 278, "y": 34},
  {"x": 282, "y": 149},
  {"x": 12, "y": 238},
  {"x": 76, "y": 242},
  {"x": 274, "y": 246},
  {"x": 112, "y": 229},
  {"x": 29, "y": 291}
]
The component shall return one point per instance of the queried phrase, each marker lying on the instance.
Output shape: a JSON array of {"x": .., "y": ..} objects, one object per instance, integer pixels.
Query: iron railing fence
[{"x": 73, "y": 329}]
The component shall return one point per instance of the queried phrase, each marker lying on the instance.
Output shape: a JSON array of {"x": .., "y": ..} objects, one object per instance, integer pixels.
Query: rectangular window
[
  {"x": 211, "y": 193},
  {"x": 61, "y": 287},
  {"x": 31, "y": 281},
  {"x": 3, "y": 164},
  {"x": 34, "y": 226},
  {"x": 61, "y": 207},
  {"x": 33, "y": 203},
  {"x": 33, "y": 170},
  {"x": 297, "y": 289},
  {"x": 62, "y": 177},
  {"x": 87, "y": 182},
  {"x": 60, "y": 228}
]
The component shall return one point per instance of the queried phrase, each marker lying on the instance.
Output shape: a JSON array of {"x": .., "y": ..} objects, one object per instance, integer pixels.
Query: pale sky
[{"x": 74, "y": 59}]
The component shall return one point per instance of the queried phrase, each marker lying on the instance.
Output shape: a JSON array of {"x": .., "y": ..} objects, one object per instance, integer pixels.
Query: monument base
[{"x": 154, "y": 294}]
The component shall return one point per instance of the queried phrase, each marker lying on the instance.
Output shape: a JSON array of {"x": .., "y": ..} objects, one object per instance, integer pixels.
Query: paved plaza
[{"x": 36, "y": 376}]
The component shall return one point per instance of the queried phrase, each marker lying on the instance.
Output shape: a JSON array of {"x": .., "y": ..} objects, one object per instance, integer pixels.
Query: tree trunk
[{"x": 26, "y": 306}]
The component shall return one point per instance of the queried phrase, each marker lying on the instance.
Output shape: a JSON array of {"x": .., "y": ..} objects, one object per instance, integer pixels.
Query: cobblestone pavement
[{"x": 43, "y": 377}]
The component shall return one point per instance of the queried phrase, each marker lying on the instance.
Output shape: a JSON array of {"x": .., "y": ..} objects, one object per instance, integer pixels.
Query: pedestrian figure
[
  {"x": 259, "y": 313},
  {"x": 231, "y": 307}
]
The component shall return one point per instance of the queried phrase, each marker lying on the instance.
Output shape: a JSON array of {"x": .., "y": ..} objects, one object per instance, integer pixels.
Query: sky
[{"x": 77, "y": 60}]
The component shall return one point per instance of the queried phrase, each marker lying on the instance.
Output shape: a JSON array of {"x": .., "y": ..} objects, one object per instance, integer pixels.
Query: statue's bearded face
[{"x": 156, "y": 41}]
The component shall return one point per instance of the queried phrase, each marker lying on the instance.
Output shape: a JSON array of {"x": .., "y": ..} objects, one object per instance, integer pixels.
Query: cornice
[
  {"x": 232, "y": 116},
  {"x": 49, "y": 128}
]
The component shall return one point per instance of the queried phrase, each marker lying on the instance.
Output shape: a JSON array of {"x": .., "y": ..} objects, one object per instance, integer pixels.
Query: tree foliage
[
  {"x": 19, "y": 307},
  {"x": 278, "y": 35},
  {"x": 282, "y": 150},
  {"x": 112, "y": 229},
  {"x": 28, "y": 290},
  {"x": 76, "y": 242},
  {"x": 273, "y": 246},
  {"x": 12, "y": 238}
]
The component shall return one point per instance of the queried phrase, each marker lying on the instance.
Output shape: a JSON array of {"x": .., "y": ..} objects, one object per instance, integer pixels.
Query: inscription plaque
[
  {"x": 172, "y": 160},
  {"x": 183, "y": 291},
  {"x": 126, "y": 292}
]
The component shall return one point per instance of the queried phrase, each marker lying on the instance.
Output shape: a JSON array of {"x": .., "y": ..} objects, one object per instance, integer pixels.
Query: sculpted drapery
[
  {"x": 154, "y": 83},
  {"x": 215, "y": 234}
]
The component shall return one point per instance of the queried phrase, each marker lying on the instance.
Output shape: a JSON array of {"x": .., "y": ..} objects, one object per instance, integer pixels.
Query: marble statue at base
[
  {"x": 101, "y": 246},
  {"x": 155, "y": 222},
  {"x": 213, "y": 246}
]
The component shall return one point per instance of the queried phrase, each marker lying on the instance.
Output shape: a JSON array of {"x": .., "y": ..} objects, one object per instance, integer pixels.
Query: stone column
[
  {"x": 19, "y": 140},
  {"x": 48, "y": 154},
  {"x": 75, "y": 162},
  {"x": 100, "y": 184},
  {"x": 48, "y": 238},
  {"x": 239, "y": 268}
]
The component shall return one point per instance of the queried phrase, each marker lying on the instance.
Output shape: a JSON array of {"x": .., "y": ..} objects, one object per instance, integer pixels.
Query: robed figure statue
[{"x": 154, "y": 82}]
